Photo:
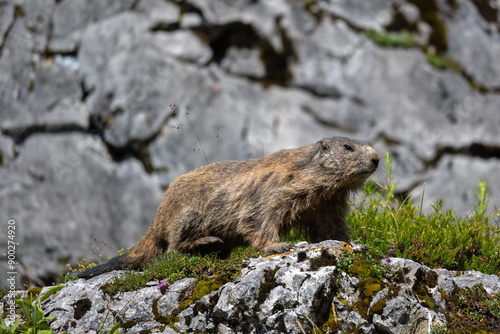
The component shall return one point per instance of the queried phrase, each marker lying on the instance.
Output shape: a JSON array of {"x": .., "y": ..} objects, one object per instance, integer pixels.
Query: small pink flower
[{"x": 163, "y": 286}]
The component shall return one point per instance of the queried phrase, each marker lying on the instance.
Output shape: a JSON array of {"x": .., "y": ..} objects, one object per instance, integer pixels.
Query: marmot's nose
[{"x": 375, "y": 162}]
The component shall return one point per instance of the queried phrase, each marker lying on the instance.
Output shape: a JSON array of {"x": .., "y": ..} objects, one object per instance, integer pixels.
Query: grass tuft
[
  {"x": 173, "y": 266},
  {"x": 438, "y": 239}
]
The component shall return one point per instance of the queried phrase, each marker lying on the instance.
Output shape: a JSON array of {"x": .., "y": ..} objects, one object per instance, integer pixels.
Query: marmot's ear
[{"x": 324, "y": 144}]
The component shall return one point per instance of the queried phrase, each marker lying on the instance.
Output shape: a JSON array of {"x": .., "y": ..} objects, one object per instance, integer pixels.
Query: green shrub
[{"x": 438, "y": 239}]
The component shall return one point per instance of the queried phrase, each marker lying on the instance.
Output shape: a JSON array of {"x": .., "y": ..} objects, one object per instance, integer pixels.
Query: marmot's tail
[
  {"x": 115, "y": 263},
  {"x": 149, "y": 246}
]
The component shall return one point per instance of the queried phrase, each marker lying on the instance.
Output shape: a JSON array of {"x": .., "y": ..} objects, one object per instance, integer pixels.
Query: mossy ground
[{"x": 172, "y": 266}]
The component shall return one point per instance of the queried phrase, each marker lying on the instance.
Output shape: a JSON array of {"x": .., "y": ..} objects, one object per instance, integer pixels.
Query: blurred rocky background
[{"x": 102, "y": 104}]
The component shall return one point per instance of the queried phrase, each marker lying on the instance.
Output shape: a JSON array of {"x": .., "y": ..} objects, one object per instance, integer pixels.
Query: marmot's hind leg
[
  {"x": 203, "y": 245},
  {"x": 189, "y": 236},
  {"x": 267, "y": 240}
]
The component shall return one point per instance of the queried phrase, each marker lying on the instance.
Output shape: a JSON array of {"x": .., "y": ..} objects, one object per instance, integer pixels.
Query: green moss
[
  {"x": 371, "y": 271},
  {"x": 443, "y": 62},
  {"x": 267, "y": 285},
  {"x": 361, "y": 268},
  {"x": 162, "y": 319},
  {"x": 369, "y": 268},
  {"x": 368, "y": 288},
  {"x": 444, "y": 295},
  {"x": 202, "y": 288},
  {"x": 128, "y": 324},
  {"x": 372, "y": 289},
  {"x": 18, "y": 11},
  {"x": 332, "y": 324},
  {"x": 424, "y": 297},
  {"x": 378, "y": 307},
  {"x": 402, "y": 38},
  {"x": 425, "y": 279}
]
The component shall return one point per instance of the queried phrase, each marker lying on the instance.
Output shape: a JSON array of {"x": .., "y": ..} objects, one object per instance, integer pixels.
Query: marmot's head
[{"x": 348, "y": 161}]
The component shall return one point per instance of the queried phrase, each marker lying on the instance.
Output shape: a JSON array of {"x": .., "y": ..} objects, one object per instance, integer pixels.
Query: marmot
[{"x": 232, "y": 203}]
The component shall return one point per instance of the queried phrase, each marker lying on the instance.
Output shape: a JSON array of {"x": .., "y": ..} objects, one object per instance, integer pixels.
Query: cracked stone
[
  {"x": 46, "y": 183},
  {"x": 471, "y": 43},
  {"x": 244, "y": 61},
  {"x": 28, "y": 102},
  {"x": 6, "y": 20},
  {"x": 362, "y": 14},
  {"x": 71, "y": 18}
]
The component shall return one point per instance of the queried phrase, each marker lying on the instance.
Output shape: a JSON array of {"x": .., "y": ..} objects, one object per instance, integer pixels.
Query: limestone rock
[
  {"x": 284, "y": 293},
  {"x": 135, "y": 109},
  {"x": 162, "y": 13},
  {"x": 449, "y": 169},
  {"x": 70, "y": 19},
  {"x": 366, "y": 15},
  {"x": 7, "y": 19},
  {"x": 471, "y": 27},
  {"x": 244, "y": 61},
  {"x": 55, "y": 226},
  {"x": 27, "y": 103},
  {"x": 7, "y": 149}
]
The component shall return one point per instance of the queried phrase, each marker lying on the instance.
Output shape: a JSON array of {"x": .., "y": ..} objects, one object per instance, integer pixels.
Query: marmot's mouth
[{"x": 367, "y": 171}]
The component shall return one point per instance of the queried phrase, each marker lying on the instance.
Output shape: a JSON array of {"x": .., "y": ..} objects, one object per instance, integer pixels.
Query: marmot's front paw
[{"x": 279, "y": 247}]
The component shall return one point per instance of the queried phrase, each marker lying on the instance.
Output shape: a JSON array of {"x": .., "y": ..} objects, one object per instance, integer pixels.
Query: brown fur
[{"x": 232, "y": 203}]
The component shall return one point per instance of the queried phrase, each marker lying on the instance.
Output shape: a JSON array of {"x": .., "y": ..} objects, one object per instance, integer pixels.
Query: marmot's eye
[{"x": 348, "y": 148}]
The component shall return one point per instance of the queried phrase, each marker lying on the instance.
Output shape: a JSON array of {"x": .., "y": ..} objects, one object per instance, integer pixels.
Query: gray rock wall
[{"x": 102, "y": 105}]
